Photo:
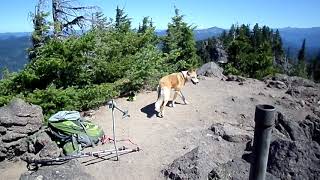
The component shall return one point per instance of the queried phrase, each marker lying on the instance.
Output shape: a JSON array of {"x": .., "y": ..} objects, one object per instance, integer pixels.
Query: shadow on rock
[{"x": 71, "y": 170}]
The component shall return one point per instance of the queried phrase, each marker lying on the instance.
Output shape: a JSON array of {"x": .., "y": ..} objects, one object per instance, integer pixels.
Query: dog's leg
[
  {"x": 183, "y": 98},
  {"x": 173, "y": 104},
  {"x": 166, "y": 97},
  {"x": 159, "y": 101}
]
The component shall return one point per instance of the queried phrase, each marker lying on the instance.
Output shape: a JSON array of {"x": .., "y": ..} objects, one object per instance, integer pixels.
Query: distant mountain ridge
[
  {"x": 199, "y": 34},
  {"x": 13, "y": 45},
  {"x": 8, "y": 35}
]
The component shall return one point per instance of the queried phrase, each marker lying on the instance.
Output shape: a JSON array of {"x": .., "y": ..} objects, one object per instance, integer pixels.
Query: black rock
[
  {"x": 294, "y": 159},
  {"x": 237, "y": 169},
  {"x": 235, "y": 78},
  {"x": 185, "y": 167}
]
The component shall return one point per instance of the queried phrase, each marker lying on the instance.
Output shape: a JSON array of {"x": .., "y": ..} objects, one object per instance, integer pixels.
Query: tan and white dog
[{"x": 174, "y": 81}]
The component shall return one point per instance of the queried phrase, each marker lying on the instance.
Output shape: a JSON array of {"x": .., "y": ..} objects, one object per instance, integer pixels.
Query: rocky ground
[{"x": 209, "y": 138}]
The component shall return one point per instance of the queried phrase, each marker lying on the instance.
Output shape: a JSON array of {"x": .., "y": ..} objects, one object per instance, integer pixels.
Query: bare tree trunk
[
  {"x": 55, "y": 16},
  {"x": 66, "y": 15}
]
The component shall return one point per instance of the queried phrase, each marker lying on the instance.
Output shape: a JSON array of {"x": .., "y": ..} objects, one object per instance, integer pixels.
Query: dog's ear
[{"x": 185, "y": 73}]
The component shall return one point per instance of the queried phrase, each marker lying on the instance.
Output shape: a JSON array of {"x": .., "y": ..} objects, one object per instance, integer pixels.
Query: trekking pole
[
  {"x": 112, "y": 106},
  {"x": 32, "y": 164}
]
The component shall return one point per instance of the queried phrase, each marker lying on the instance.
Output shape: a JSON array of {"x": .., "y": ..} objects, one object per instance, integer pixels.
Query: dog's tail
[{"x": 159, "y": 100}]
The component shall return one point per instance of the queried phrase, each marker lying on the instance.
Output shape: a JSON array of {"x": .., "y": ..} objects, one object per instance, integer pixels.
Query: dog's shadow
[{"x": 149, "y": 110}]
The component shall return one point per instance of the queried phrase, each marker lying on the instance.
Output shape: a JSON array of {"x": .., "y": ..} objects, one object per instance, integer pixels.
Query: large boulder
[
  {"x": 18, "y": 120},
  {"x": 22, "y": 133},
  {"x": 71, "y": 170},
  {"x": 231, "y": 133},
  {"x": 210, "y": 69}
]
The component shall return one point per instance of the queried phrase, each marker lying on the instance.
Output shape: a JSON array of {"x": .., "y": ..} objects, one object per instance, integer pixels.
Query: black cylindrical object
[{"x": 264, "y": 121}]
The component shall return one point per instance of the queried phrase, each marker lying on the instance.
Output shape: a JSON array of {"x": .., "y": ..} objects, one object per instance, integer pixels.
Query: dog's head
[{"x": 192, "y": 75}]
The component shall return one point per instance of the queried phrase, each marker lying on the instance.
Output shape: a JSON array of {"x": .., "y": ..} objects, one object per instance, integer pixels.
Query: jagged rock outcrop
[
  {"x": 18, "y": 120},
  {"x": 185, "y": 167},
  {"x": 21, "y": 132},
  {"x": 295, "y": 152}
]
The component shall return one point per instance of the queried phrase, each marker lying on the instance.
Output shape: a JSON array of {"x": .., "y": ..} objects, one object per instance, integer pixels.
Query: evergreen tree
[
  {"x": 301, "y": 54},
  {"x": 145, "y": 24},
  {"x": 122, "y": 22},
  {"x": 257, "y": 36},
  {"x": 250, "y": 53},
  {"x": 277, "y": 45},
  {"x": 99, "y": 21},
  {"x": 147, "y": 32},
  {"x": 232, "y": 33},
  {"x": 224, "y": 37},
  {"x": 316, "y": 68},
  {"x": 41, "y": 29},
  {"x": 180, "y": 44},
  {"x": 301, "y": 69}
]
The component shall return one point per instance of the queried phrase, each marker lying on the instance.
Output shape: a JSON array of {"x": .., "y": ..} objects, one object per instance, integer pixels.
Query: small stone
[
  {"x": 39, "y": 177},
  {"x": 209, "y": 135},
  {"x": 12, "y": 136},
  {"x": 272, "y": 96},
  {"x": 242, "y": 116},
  {"x": 302, "y": 103},
  {"x": 2, "y": 130},
  {"x": 261, "y": 94},
  {"x": 241, "y": 83}
]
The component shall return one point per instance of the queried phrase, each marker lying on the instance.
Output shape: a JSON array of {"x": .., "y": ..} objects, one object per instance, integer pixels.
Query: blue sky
[{"x": 202, "y": 13}]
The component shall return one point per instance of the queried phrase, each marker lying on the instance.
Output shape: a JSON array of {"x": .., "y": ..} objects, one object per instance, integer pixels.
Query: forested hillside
[{"x": 13, "y": 52}]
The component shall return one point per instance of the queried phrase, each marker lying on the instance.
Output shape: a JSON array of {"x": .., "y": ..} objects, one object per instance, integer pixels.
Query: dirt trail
[
  {"x": 163, "y": 140},
  {"x": 183, "y": 128}
]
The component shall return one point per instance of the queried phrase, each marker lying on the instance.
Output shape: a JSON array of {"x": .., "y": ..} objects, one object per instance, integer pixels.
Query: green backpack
[{"x": 73, "y": 132}]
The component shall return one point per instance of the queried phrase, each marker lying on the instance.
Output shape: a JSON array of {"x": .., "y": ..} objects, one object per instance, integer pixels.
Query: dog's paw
[
  {"x": 159, "y": 115},
  {"x": 172, "y": 104},
  {"x": 186, "y": 102}
]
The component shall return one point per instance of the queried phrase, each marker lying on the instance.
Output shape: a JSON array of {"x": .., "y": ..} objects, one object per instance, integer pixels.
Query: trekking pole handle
[{"x": 112, "y": 105}]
